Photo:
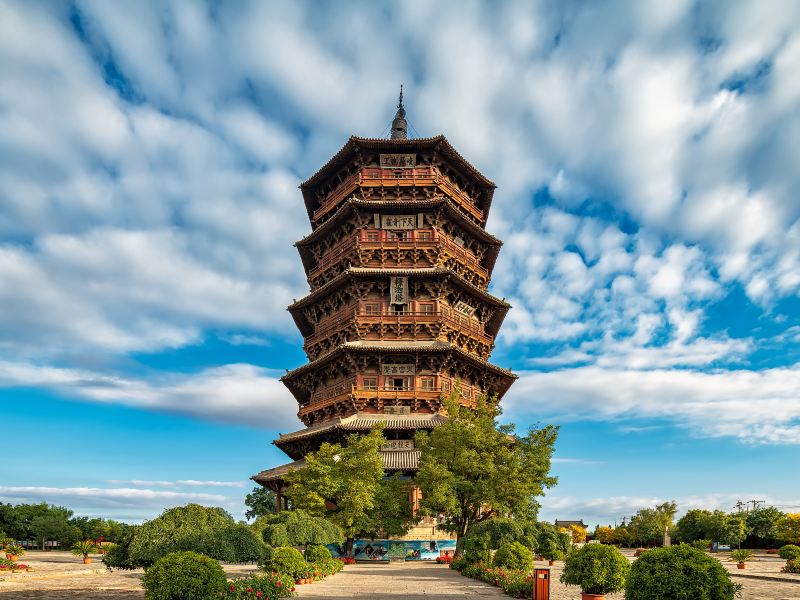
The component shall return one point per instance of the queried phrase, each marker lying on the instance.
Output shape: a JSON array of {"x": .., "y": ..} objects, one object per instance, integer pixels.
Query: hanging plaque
[
  {"x": 464, "y": 308},
  {"x": 398, "y": 221},
  {"x": 394, "y": 445},
  {"x": 394, "y": 161},
  {"x": 397, "y": 369},
  {"x": 398, "y": 292}
]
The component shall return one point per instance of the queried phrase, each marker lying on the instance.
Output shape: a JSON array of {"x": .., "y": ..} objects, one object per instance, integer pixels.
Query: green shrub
[
  {"x": 317, "y": 553},
  {"x": 247, "y": 547},
  {"x": 789, "y": 552},
  {"x": 489, "y": 535},
  {"x": 679, "y": 573},
  {"x": 514, "y": 555},
  {"x": 183, "y": 528},
  {"x": 458, "y": 563},
  {"x": 184, "y": 576},
  {"x": 326, "y": 567},
  {"x": 597, "y": 569},
  {"x": 792, "y": 566},
  {"x": 288, "y": 560},
  {"x": 296, "y": 528},
  {"x": 700, "y": 544},
  {"x": 118, "y": 556}
]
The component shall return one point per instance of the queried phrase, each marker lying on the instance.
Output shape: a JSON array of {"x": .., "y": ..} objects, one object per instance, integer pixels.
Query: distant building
[{"x": 568, "y": 524}]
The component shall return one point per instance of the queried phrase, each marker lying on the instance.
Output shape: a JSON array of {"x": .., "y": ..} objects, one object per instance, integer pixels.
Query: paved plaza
[{"x": 60, "y": 576}]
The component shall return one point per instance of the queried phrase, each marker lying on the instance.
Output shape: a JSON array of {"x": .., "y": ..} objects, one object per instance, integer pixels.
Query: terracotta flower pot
[
  {"x": 551, "y": 562},
  {"x": 12, "y": 557},
  {"x": 87, "y": 561},
  {"x": 585, "y": 596},
  {"x": 741, "y": 565}
]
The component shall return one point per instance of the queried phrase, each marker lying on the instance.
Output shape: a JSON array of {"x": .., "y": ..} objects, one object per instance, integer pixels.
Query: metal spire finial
[{"x": 399, "y": 125}]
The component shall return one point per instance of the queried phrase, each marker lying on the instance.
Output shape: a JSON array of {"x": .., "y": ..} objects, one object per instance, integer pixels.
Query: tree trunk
[{"x": 348, "y": 547}]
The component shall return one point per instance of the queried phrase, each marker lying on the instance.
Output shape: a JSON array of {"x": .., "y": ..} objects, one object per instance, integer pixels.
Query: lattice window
[
  {"x": 427, "y": 383},
  {"x": 370, "y": 383}
]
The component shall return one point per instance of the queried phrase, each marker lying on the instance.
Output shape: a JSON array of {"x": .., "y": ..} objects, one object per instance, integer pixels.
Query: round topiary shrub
[
  {"x": 681, "y": 573},
  {"x": 514, "y": 555},
  {"x": 598, "y": 569},
  {"x": 317, "y": 553},
  {"x": 184, "y": 576},
  {"x": 789, "y": 552},
  {"x": 289, "y": 561}
]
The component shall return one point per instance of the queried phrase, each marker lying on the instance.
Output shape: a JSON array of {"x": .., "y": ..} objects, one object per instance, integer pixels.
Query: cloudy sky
[{"x": 647, "y": 161}]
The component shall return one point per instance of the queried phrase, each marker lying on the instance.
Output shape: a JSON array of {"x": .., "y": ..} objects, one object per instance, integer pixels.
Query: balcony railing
[
  {"x": 444, "y": 314},
  {"x": 416, "y": 240},
  {"x": 379, "y": 177},
  {"x": 348, "y": 389}
]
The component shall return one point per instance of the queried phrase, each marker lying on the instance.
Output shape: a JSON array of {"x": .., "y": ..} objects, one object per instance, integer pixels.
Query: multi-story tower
[{"x": 398, "y": 262}]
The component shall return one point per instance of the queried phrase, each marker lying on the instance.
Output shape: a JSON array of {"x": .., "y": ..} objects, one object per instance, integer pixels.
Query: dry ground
[{"x": 60, "y": 576}]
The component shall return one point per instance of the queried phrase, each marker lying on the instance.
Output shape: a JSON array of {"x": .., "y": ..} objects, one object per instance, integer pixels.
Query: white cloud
[
  {"x": 756, "y": 407},
  {"x": 117, "y": 498},
  {"x": 236, "y": 393},
  {"x": 178, "y": 483}
]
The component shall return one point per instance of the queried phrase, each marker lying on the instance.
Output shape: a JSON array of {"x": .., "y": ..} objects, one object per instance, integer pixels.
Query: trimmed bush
[
  {"x": 679, "y": 573},
  {"x": 789, "y": 552},
  {"x": 296, "y": 528},
  {"x": 792, "y": 566},
  {"x": 184, "y": 576},
  {"x": 514, "y": 555},
  {"x": 247, "y": 547},
  {"x": 317, "y": 553},
  {"x": 288, "y": 560},
  {"x": 701, "y": 545},
  {"x": 485, "y": 536},
  {"x": 598, "y": 569}
]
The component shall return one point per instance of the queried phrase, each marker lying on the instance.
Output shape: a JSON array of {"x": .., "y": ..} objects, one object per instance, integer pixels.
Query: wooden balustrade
[
  {"x": 349, "y": 388},
  {"x": 342, "y": 318},
  {"x": 415, "y": 241},
  {"x": 380, "y": 177}
]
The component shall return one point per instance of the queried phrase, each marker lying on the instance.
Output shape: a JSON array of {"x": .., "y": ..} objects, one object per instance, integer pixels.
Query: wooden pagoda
[{"x": 398, "y": 314}]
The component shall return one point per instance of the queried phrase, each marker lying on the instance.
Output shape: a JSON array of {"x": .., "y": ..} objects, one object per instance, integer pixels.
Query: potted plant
[
  {"x": 740, "y": 557},
  {"x": 597, "y": 569},
  {"x": 554, "y": 555},
  {"x": 13, "y": 552},
  {"x": 397, "y": 553},
  {"x": 84, "y": 549}
]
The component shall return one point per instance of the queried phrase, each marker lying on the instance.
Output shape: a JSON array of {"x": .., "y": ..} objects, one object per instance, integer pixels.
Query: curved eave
[
  {"x": 307, "y": 328},
  {"x": 390, "y": 348},
  {"x": 351, "y": 147}
]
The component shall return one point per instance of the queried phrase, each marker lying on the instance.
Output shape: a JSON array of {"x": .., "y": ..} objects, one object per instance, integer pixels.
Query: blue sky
[{"x": 646, "y": 156}]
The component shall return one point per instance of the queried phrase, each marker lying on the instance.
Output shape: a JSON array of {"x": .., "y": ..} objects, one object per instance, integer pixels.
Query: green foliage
[
  {"x": 260, "y": 502},
  {"x": 184, "y": 576},
  {"x": 549, "y": 543},
  {"x": 760, "y": 524},
  {"x": 296, "y": 528},
  {"x": 490, "y": 534},
  {"x": 84, "y": 548},
  {"x": 789, "y": 552},
  {"x": 513, "y": 555},
  {"x": 787, "y": 528},
  {"x": 792, "y": 566},
  {"x": 471, "y": 462},
  {"x": 118, "y": 556},
  {"x": 327, "y": 566},
  {"x": 679, "y": 573},
  {"x": 271, "y": 586},
  {"x": 346, "y": 485},
  {"x": 247, "y": 547},
  {"x": 183, "y": 528},
  {"x": 289, "y": 561},
  {"x": 702, "y": 545},
  {"x": 317, "y": 553},
  {"x": 597, "y": 569},
  {"x": 699, "y": 524},
  {"x": 14, "y": 550},
  {"x": 649, "y": 524},
  {"x": 741, "y": 556}
]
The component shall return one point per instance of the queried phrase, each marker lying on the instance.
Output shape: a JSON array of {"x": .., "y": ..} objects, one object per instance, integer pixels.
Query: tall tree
[
  {"x": 471, "y": 468},
  {"x": 787, "y": 528},
  {"x": 346, "y": 485},
  {"x": 761, "y": 523},
  {"x": 260, "y": 502}
]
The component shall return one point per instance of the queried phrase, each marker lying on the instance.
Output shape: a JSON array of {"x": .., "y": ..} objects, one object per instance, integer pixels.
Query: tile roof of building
[
  {"x": 395, "y": 460},
  {"x": 365, "y": 422}
]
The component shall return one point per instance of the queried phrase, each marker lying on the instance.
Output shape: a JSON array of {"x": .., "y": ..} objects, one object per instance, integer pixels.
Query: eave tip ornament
[{"x": 399, "y": 125}]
